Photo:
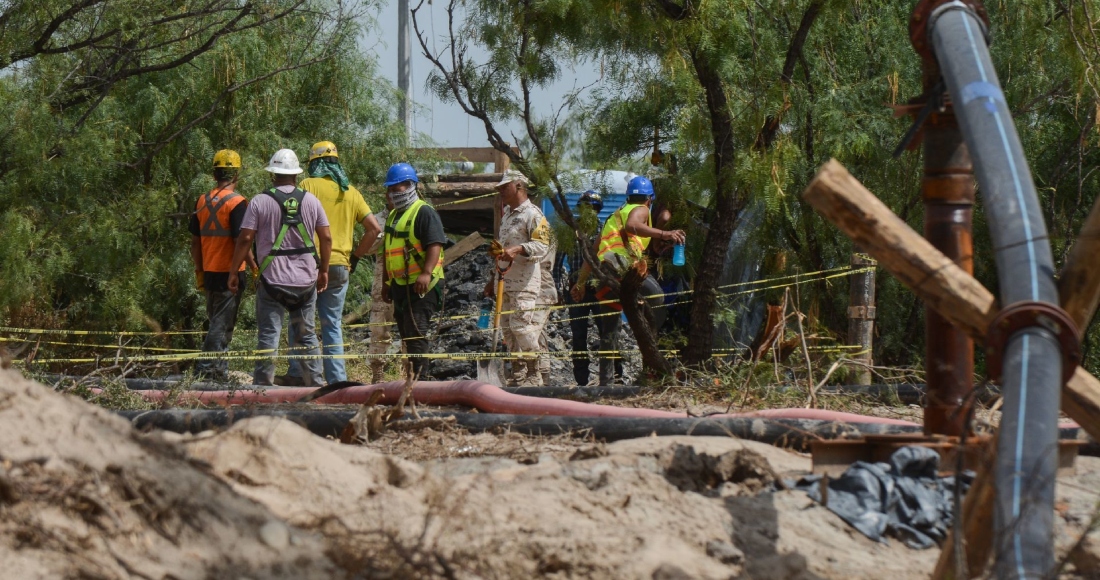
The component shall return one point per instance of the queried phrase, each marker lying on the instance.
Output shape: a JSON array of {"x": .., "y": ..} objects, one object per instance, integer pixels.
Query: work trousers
[
  {"x": 221, "y": 312},
  {"x": 414, "y": 323},
  {"x": 611, "y": 325},
  {"x": 580, "y": 314},
  {"x": 330, "y": 309},
  {"x": 269, "y": 325},
  {"x": 522, "y": 328}
]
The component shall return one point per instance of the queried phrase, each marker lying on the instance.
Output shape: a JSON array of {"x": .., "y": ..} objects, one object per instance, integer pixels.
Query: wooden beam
[
  {"x": 460, "y": 189},
  {"x": 463, "y": 247},
  {"x": 493, "y": 178},
  {"x": 1077, "y": 286},
  {"x": 933, "y": 277},
  {"x": 977, "y": 521},
  {"x": 475, "y": 154},
  {"x": 443, "y": 204}
]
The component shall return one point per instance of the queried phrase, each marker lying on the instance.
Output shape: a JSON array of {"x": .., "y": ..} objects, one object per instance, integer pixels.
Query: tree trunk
[
  {"x": 638, "y": 315},
  {"x": 727, "y": 209}
]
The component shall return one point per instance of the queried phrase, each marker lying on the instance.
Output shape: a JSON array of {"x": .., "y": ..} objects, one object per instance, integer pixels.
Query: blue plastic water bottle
[
  {"x": 678, "y": 255},
  {"x": 483, "y": 318}
]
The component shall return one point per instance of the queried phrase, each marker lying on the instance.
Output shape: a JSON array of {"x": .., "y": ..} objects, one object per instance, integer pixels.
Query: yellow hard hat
[
  {"x": 323, "y": 149},
  {"x": 227, "y": 158}
]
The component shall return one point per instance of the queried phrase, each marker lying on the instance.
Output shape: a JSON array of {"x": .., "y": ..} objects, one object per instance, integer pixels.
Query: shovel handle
[{"x": 500, "y": 300}]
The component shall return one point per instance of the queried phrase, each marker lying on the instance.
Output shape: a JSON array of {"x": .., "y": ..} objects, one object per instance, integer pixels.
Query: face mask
[{"x": 403, "y": 199}]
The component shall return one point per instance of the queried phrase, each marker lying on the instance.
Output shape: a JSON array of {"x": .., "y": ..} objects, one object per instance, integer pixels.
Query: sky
[{"x": 446, "y": 123}]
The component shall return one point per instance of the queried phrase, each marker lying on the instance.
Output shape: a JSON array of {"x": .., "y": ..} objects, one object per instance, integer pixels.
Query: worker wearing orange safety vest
[
  {"x": 623, "y": 241},
  {"x": 214, "y": 228}
]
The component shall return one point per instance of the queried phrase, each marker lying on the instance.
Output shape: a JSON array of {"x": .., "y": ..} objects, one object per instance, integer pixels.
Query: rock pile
[{"x": 458, "y": 332}]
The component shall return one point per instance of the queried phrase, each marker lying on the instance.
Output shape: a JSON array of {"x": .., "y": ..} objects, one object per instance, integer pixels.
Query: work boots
[
  {"x": 532, "y": 378},
  {"x": 515, "y": 373}
]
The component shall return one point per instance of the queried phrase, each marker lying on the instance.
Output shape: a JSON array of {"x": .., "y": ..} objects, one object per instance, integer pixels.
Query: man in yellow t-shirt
[{"x": 345, "y": 207}]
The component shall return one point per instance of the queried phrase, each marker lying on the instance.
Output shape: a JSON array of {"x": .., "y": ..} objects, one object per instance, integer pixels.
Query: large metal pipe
[
  {"x": 1032, "y": 357},
  {"x": 484, "y": 397},
  {"x": 948, "y": 194}
]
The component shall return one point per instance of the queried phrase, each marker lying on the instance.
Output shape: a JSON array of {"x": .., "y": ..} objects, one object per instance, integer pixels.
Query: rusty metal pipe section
[{"x": 947, "y": 191}]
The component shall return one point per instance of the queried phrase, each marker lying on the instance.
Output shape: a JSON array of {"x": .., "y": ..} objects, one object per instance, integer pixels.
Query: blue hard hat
[
  {"x": 593, "y": 198},
  {"x": 639, "y": 186},
  {"x": 400, "y": 173}
]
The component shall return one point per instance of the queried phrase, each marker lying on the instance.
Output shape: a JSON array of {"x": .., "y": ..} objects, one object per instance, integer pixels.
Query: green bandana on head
[{"x": 329, "y": 167}]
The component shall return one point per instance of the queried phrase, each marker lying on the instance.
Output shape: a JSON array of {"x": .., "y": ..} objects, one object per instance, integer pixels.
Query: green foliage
[{"x": 94, "y": 199}]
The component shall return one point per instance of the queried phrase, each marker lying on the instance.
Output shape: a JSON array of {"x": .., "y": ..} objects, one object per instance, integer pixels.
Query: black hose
[
  {"x": 1026, "y": 462},
  {"x": 794, "y": 433},
  {"x": 907, "y": 393}
]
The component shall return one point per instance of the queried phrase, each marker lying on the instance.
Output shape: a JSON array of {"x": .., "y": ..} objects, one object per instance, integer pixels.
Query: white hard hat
[{"x": 284, "y": 162}]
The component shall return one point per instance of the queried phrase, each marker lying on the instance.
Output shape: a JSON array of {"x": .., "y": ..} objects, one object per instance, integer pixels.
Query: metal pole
[
  {"x": 404, "y": 65},
  {"x": 947, "y": 190},
  {"x": 861, "y": 316}
]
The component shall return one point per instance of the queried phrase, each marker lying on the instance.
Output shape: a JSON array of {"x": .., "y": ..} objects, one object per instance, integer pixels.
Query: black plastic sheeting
[{"x": 904, "y": 498}]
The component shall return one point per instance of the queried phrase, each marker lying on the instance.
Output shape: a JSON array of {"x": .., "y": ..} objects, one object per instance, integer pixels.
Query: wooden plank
[
  {"x": 466, "y": 188},
  {"x": 443, "y": 204},
  {"x": 493, "y": 178},
  {"x": 463, "y": 247},
  {"x": 475, "y": 154},
  {"x": 934, "y": 278},
  {"x": 977, "y": 518},
  {"x": 1080, "y": 279}
]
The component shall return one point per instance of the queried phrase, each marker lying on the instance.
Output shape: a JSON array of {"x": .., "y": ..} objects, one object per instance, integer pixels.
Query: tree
[
  {"x": 525, "y": 53},
  {"x": 94, "y": 197}
]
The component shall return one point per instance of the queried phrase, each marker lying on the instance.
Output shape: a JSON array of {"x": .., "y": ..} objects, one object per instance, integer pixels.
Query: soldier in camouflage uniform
[{"x": 525, "y": 241}]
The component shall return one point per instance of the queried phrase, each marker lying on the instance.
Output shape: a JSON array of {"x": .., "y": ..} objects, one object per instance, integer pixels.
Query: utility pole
[{"x": 404, "y": 65}]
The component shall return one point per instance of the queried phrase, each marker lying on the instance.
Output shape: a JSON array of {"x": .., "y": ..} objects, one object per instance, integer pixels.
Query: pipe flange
[
  {"x": 1027, "y": 314},
  {"x": 925, "y": 12}
]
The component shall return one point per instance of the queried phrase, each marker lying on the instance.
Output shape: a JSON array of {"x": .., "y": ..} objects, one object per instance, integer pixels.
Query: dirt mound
[
  {"x": 600, "y": 511},
  {"x": 83, "y": 496}
]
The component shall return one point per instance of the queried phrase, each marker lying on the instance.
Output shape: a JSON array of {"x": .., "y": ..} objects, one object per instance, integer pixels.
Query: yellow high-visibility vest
[
  {"x": 404, "y": 254},
  {"x": 614, "y": 238}
]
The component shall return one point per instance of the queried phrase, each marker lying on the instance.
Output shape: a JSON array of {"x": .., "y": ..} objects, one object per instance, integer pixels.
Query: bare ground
[{"x": 83, "y": 496}]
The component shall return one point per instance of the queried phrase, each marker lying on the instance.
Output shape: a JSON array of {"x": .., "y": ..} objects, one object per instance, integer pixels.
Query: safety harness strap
[{"x": 290, "y": 204}]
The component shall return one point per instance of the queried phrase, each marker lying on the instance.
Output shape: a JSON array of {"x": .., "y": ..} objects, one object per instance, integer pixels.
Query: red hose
[{"x": 489, "y": 399}]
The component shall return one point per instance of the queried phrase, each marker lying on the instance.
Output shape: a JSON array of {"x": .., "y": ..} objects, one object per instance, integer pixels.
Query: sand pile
[
  {"x": 674, "y": 507},
  {"x": 82, "y": 496}
]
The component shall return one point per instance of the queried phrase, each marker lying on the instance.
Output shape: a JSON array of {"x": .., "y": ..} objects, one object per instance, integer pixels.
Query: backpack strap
[{"x": 290, "y": 204}]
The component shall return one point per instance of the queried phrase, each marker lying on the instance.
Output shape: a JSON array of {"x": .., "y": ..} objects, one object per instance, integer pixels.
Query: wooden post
[
  {"x": 964, "y": 302},
  {"x": 933, "y": 277},
  {"x": 977, "y": 521},
  {"x": 861, "y": 316},
  {"x": 1080, "y": 276}
]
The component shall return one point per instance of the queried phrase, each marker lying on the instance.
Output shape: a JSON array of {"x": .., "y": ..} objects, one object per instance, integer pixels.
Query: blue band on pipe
[{"x": 979, "y": 89}]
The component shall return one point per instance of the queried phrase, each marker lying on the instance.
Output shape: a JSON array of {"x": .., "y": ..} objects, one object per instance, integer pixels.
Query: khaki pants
[{"x": 521, "y": 328}]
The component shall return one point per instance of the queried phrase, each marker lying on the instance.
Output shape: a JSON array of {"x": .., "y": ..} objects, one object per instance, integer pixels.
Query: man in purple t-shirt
[{"x": 291, "y": 274}]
